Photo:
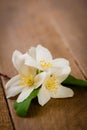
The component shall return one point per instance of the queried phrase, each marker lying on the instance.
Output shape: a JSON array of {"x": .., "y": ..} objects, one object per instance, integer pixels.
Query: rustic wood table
[{"x": 61, "y": 26}]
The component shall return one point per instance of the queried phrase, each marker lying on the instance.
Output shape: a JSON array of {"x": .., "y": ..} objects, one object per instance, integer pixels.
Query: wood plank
[
  {"x": 5, "y": 121},
  {"x": 25, "y": 25},
  {"x": 70, "y": 19},
  {"x": 30, "y": 27}
]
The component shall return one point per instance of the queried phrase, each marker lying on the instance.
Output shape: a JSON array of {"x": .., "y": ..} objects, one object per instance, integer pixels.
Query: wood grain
[
  {"x": 25, "y": 24},
  {"x": 5, "y": 121},
  {"x": 69, "y": 18}
]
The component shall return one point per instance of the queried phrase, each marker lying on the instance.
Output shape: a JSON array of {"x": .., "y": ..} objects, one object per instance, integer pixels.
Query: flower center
[
  {"x": 51, "y": 83},
  {"x": 27, "y": 81},
  {"x": 44, "y": 64}
]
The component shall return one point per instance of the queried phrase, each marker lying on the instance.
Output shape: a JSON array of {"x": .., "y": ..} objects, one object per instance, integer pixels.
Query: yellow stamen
[
  {"x": 27, "y": 81},
  {"x": 44, "y": 64},
  {"x": 52, "y": 84}
]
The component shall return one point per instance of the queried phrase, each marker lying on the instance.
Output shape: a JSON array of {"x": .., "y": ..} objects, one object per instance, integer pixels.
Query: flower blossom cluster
[{"x": 37, "y": 68}]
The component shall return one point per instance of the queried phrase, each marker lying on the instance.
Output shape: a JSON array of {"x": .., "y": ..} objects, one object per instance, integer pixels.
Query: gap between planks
[{"x": 6, "y": 122}]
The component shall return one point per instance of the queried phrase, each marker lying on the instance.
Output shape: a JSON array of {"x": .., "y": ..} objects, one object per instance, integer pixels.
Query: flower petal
[
  {"x": 43, "y": 53},
  {"x": 18, "y": 60},
  {"x": 25, "y": 93},
  {"x": 60, "y": 62},
  {"x": 61, "y": 73},
  {"x": 43, "y": 96},
  {"x": 29, "y": 61},
  {"x": 32, "y": 52},
  {"x": 65, "y": 73},
  {"x": 32, "y": 70},
  {"x": 55, "y": 70},
  {"x": 13, "y": 91},
  {"x": 13, "y": 81},
  {"x": 63, "y": 92},
  {"x": 39, "y": 79}
]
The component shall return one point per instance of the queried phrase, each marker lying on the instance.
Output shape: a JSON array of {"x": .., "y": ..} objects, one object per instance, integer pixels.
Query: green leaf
[
  {"x": 22, "y": 107},
  {"x": 72, "y": 81}
]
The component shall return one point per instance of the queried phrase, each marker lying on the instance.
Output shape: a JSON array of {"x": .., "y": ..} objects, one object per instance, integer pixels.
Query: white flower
[
  {"x": 52, "y": 72},
  {"x": 41, "y": 58},
  {"x": 26, "y": 81},
  {"x": 52, "y": 86}
]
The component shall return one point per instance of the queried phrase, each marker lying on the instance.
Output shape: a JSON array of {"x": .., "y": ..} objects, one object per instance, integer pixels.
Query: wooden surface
[{"x": 61, "y": 27}]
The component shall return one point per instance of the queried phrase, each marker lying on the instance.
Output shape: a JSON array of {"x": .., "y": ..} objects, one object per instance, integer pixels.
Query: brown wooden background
[{"x": 61, "y": 26}]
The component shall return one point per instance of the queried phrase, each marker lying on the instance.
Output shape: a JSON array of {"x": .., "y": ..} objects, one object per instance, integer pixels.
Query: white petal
[
  {"x": 65, "y": 73},
  {"x": 24, "y": 70},
  {"x": 63, "y": 92},
  {"x": 32, "y": 52},
  {"x": 13, "y": 81},
  {"x": 43, "y": 53},
  {"x": 61, "y": 73},
  {"x": 60, "y": 62},
  {"x": 43, "y": 96},
  {"x": 55, "y": 70},
  {"x": 25, "y": 93},
  {"x": 18, "y": 60},
  {"x": 13, "y": 91},
  {"x": 29, "y": 61},
  {"x": 32, "y": 71},
  {"x": 39, "y": 79}
]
